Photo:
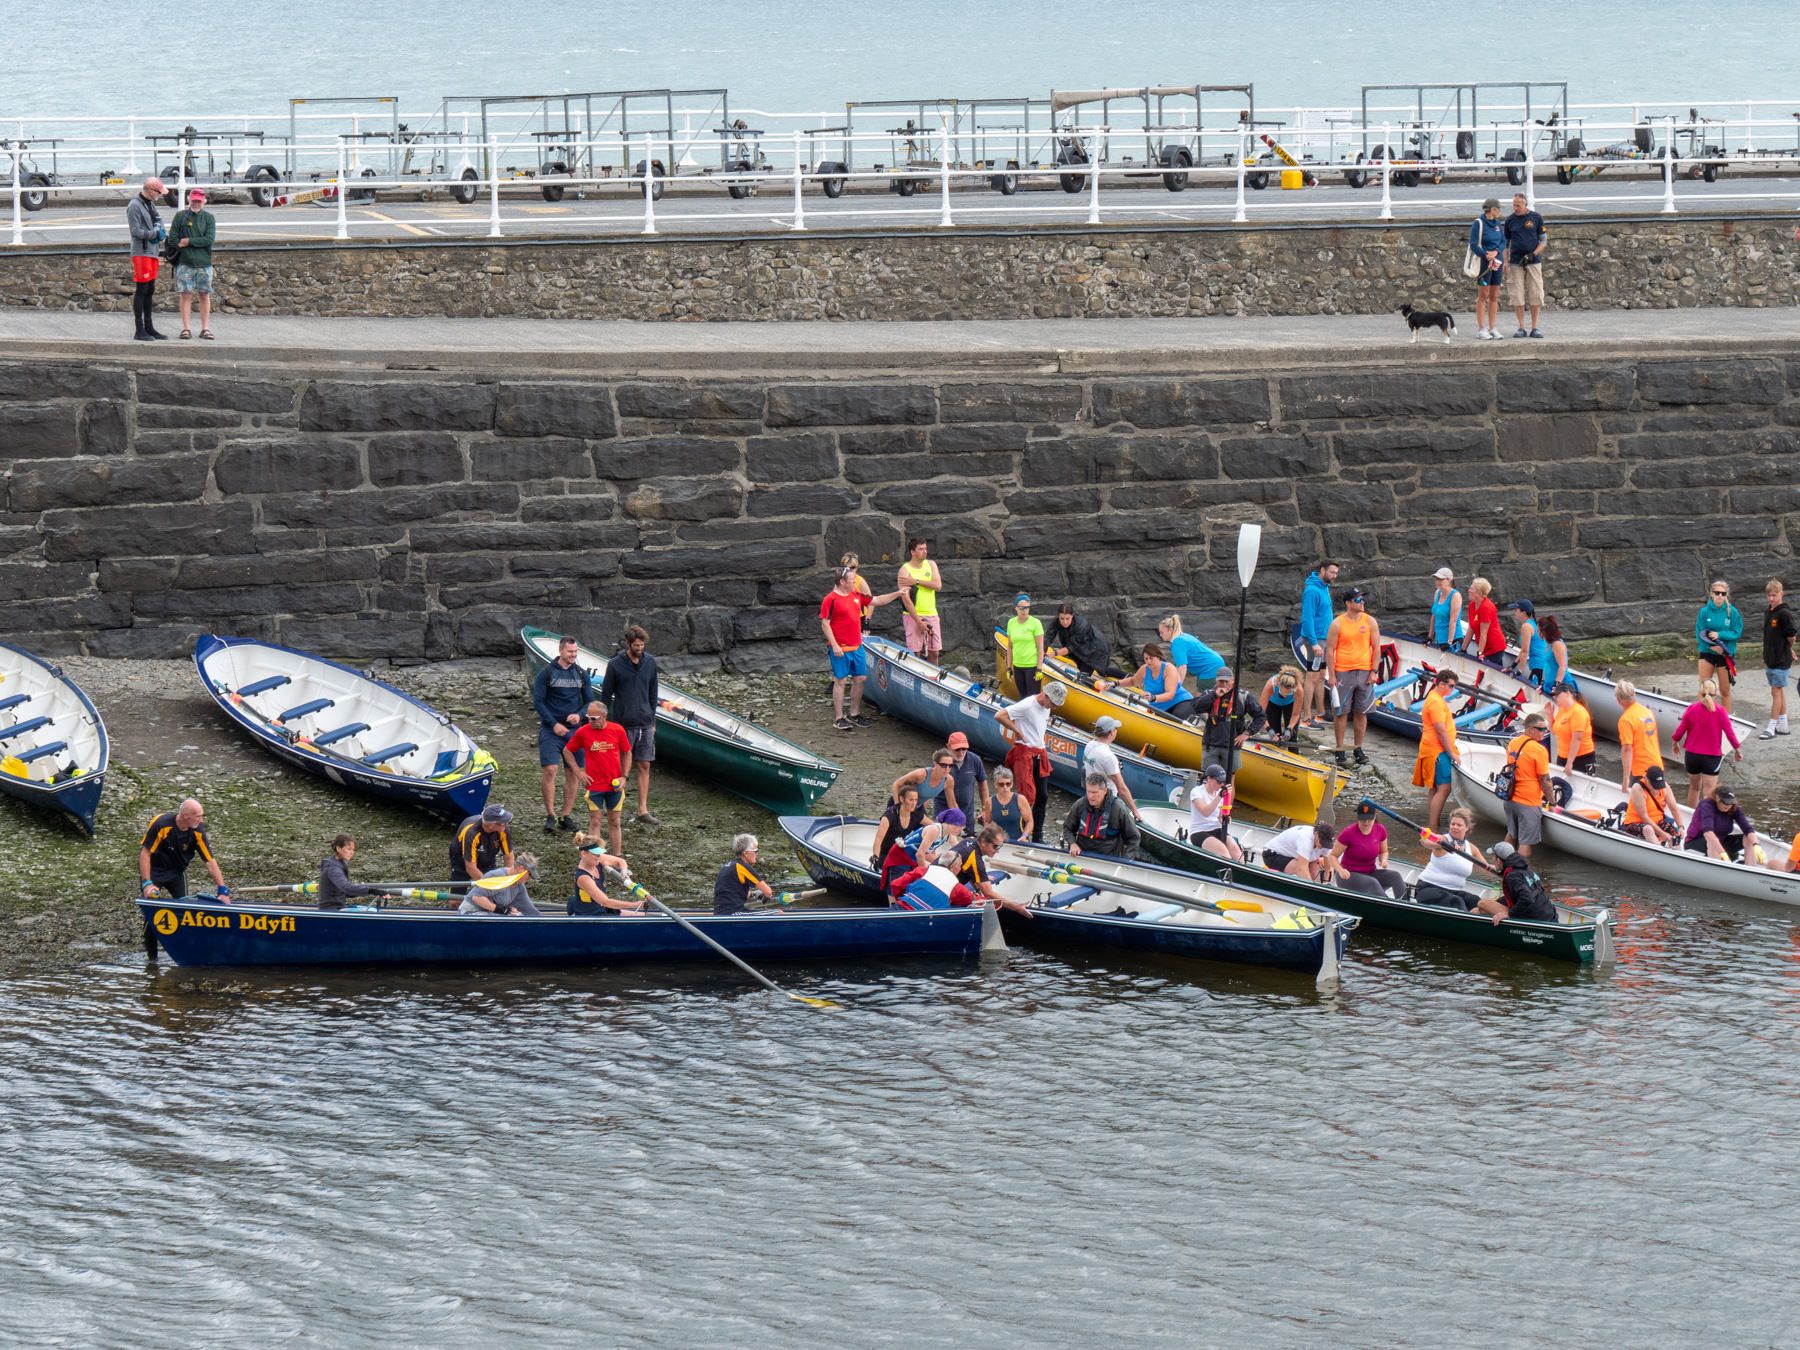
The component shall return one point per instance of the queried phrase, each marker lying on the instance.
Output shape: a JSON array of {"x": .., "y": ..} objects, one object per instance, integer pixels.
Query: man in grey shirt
[{"x": 147, "y": 235}]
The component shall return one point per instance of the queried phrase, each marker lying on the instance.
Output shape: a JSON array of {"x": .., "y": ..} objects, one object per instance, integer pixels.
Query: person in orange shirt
[
  {"x": 1351, "y": 644},
  {"x": 1638, "y": 745},
  {"x": 1650, "y": 810},
  {"x": 1530, "y": 760},
  {"x": 1573, "y": 727},
  {"x": 1437, "y": 745}
]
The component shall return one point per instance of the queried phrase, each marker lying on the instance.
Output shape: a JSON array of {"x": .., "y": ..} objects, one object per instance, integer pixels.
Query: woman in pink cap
[{"x": 194, "y": 230}]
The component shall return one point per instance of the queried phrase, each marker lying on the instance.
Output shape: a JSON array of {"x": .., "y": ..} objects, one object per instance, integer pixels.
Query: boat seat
[
  {"x": 339, "y": 733},
  {"x": 306, "y": 709},
  {"x": 43, "y": 750},
  {"x": 20, "y": 728},
  {"x": 1154, "y": 913},
  {"x": 264, "y": 685},
  {"x": 392, "y": 752},
  {"x": 14, "y": 701}
]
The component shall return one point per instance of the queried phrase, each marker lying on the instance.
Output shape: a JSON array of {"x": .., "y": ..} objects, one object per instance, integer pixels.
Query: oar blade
[{"x": 500, "y": 883}]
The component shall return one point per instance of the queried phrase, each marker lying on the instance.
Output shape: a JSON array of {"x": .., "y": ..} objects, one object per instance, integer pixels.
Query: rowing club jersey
[{"x": 932, "y": 888}]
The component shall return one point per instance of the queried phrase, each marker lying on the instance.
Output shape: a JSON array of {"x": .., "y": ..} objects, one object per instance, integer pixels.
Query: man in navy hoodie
[{"x": 560, "y": 694}]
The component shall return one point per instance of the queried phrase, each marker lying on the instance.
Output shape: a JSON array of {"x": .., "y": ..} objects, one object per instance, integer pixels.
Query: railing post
[
  {"x": 1243, "y": 211},
  {"x": 1668, "y": 206},
  {"x": 1530, "y": 175},
  {"x": 649, "y": 188},
  {"x": 181, "y": 178},
  {"x": 1094, "y": 183},
  {"x": 131, "y": 164},
  {"x": 799, "y": 201},
  {"x": 944, "y": 221},
  {"x": 1387, "y": 173},
  {"x": 343, "y": 206},
  {"x": 493, "y": 169},
  {"x": 18, "y": 228}
]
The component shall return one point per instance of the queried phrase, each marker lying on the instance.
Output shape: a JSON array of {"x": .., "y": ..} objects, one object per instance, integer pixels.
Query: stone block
[
  {"x": 209, "y": 391},
  {"x": 876, "y": 468},
  {"x": 467, "y": 567},
  {"x": 709, "y": 630},
  {"x": 1414, "y": 445},
  {"x": 62, "y": 613},
  {"x": 1045, "y": 580},
  {"x": 1598, "y": 474},
  {"x": 769, "y": 658},
  {"x": 1537, "y": 533},
  {"x": 876, "y": 540},
  {"x": 583, "y": 411},
  {"x": 1564, "y": 389},
  {"x": 763, "y": 527},
  {"x": 1053, "y": 501},
  {"x": 595, "y": 501},
  {"x": 388, "y": 506},
  {"x": 524, "y": 461},
  {"x": 883, "y": 441},
  {"x": 35, "y": 430},
  {"x": 1561, "y": 436},
  {"x": 590, "y": 565},
  {"x": 150, "y": 641},
  {"x": 1189, "y": 497},
  {"x": 680, "y": 401},
  {"x": 553, "y": 592},
  {"x": 962, "y": 440},
  {"x": 138, "y": 574},
  {"x": 805, "y": 499},
  {"x": 266, "y": 569},
  {"x": 1077, "y": 460},
  {"x": 1180, "y": 403},
  {"x": 952, "y": 537},
  {"x": 674, "y": 456},
  {"x": 152, "y": 418},
  {"x": 397, "y": 405},
  {"x": 800, "y": 457},
  {"x": 29, "y": 580},
  {"x": 1706, "y": 471},
  {"x": 495, "y": 632},
  {"x": 175, "y": 442},
  {"x": 685, "y": 499},
  {"x": 759, "y": 625},
  {"x": 849, "y": 405},
  {"x": 39, "y": 485},
  {"x": 413, "y": 459},
  {"x": 507, "y": 536},
  {"x": 1675, "y": 532},
  {"x": 1737, "y": 380},
  {"x": 305, "y": 464},
  {"x": 736, "y": 594},
  {"x": 1275, "y": 456},
  {"x": 1145, "y": 578},
  {"x": 48, "y": 379},
  {"x": 1370, "y": 504},
  {"x": 227, "y": 602},
  {"x": 105, "y": 429},
  {"x": 362, "y": 637},
  {"x": 1464, "y": 393},
  {"x": 1451, "y": 541},
  {"x": 147, "y": 531},
  {"x": 938, "y": 496},
  {"x": 743, "y": 560},
  {"x": 1052, "y": 536},
  {"x": 1010, "y": 402},
  {"x": 1545, "y": 581}
]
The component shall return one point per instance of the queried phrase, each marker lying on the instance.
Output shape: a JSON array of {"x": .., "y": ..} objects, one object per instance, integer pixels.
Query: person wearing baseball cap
[
  {"x": 481, "y": 844},
  {"x": 1025, "y": 645},
  {"x": 1209, "y": 815},
  {"x": 195, "y": 230},
  {"x": 1352, "y": 646},
  {"x": 1025, "y": 724},
  {"x": 1522, "y": 890},
  {"x": 1534, "y": 665},
  {"x": 1446, "y": 610},
  {"x": 1098, "y": 756},
  {"x": 969, "y": 777}
]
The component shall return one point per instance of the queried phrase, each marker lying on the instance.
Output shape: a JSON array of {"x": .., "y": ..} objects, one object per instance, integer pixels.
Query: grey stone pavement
[{"x": 1021, "y": 344}]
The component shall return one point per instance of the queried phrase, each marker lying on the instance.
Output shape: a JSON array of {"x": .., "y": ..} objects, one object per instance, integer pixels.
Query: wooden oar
[
  {"x": 411, "y": 889},
  {"x": 1448, "y": 843},
  {"x": 637, "y": 892},
  {"x": 785, "y": 898},
  {"x": 1070, "y": 874}
]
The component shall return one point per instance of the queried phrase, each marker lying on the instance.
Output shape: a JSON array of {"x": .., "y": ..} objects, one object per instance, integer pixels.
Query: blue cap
[
  {"x": 1021, "y": 599},
  {"x": 951, "y": 816},
  {"x": 1523, "y": 606}
]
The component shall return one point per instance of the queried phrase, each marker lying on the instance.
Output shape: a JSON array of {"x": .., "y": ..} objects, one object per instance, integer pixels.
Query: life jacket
[{"x": 1096, "y": 822}]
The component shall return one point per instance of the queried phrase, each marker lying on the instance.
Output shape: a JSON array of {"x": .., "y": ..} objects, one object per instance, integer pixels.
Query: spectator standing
[
  {"x": 631, "y": 692},
  {"x": 919, "y": 587},
  {"x": 1525, "y": 235},
  {"x": 1639, "y": 748},
  {"x": 1779, "y": 631},
  {"x": 841, "y": 620},
  {"x": 195, "y": 230},
  {"x": 1099, "y": 756},
  {"x": 1025, "y": 724},
  {"x": 1701, "y": 734},
  {"x": 560, "y": 694},
  {"x": 1351, "y": 646},
  {"x": 1446, "y": 610},
  {"x": 970, "y": 778},
  {"x": 1487, "y": 241},
  {"x": 1717, "y": 628},
  {"x": 1025, "y": 645},
  {"x": 1485, "y": 638},
  {"x": 144, "y": 222},
  {"x": 1073, "y": 638},
  {"x": 1315, "y": 622},
  {"x": 599, "y": 755},
  {"x": 1529, "y": 758}
]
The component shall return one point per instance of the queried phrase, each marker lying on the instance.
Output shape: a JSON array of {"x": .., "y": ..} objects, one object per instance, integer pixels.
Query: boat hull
[
  {"x": 780, "y": 777},
  {"x": 71, "y": 715},
  {"x": 1053, "y": 928},
  {"x": 823, "y": 843},
  {"x": 205, "y": 933}
]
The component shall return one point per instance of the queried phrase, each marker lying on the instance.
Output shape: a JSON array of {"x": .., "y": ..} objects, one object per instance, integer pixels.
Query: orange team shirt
[
  {"x": 1663, "y": 802},
  {"x": 1355, "y": 643},
  {"x": 1574, "y": 725},
  {"x": 1531, "y": 761},
  {"x": 1437, "y": 733},
  {"x": 1637, "y": 733},
  {"x": 1794, "y": 854}
]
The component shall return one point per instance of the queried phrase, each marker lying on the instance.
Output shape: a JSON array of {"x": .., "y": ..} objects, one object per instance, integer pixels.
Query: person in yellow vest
[
  {"x": 919, "y": 587},
  {"x": 1435, "y": 766},
  {"x": 1025, "y": 642},
  {"x": 1351, "y": 644},
  {"x": 1573, "y": 727}
]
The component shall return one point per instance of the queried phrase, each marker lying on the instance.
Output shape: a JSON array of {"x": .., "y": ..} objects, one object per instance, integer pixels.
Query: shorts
[
  {"x": 1733, "y": 844},
  {"x": 1221, "y": 833},
  {"x": 1525, "y": 824},
  {"x": 1525, "y": 284},
  {"x": 580, "y": 907},
  {"x": 923, "y": 634},
  {"x": 1275, "y": 862},
  {"x": 851, "y": 665},
  {"x": 550, "y": 747},
  {"x": 1427, "y": 894},
  {"x": 1025, "y": 680},
  {"x": 606, "y": 799},
  {"x": 1585, "y": 763},
  {"x": 145, "y": 268},
  {"x": 1224, "y": 756},
  {"x": 1443, "y": 772},
  {"x": 193, "y": 280},
  {"x": 1708, "y": 765},
  {"x": 1356, "y": 692},
  {"x": 643, "y": 743},
  {"x": 1777, "y": 678},
  {"x": 1717, "y": 664},
  {"x": 1492, "y": 277},
  {"x": 1315, "y": 659},
  {"x": 1635, "y": 829}
]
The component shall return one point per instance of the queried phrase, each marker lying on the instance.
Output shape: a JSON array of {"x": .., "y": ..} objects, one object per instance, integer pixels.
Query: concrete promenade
[{"x": 1041, "y": 345}]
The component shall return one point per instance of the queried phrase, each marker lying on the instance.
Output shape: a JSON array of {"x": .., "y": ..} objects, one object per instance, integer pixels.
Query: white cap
[{"x": 1444, "y": 574}]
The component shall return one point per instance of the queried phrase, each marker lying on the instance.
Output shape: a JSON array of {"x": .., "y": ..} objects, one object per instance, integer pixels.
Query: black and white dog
[{"x": 1417, "y": 319}]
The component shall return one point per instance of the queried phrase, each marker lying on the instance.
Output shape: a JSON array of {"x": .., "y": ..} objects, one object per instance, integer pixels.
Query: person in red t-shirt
[
  {"x": 1486, "y": 638},
  {"x": 840, "y": 619},
  {"x": 608, "y": 762}
]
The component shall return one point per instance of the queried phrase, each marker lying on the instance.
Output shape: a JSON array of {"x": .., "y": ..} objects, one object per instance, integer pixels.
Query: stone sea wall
[
  {"x": 955, "y": 274},
  {"x": 414, "y": 515}
]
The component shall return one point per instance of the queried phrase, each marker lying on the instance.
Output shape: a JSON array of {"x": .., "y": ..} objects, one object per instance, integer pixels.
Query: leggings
[
  {"x": 143, "y": 301},
  {"x": 1383, "y": 881},
  {"x": 1025, "y": 678},
  {"x": 1279, "y": 716}
]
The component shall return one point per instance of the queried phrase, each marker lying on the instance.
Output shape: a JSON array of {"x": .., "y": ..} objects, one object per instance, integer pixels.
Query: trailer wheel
[
  {"x": 834, "y": 186},
  {"x": 1514, "y": 159},
  {"x": 35, "y": 200},
  {"x": 361, "y": 196},
  {"x": 263, "y": 174},
  {"x": 463, "y": 189},
  {"x": 1004, "y": 183},
  {"x": 553, "y": 192},
  {"x": 739, "y": 191},
  {"x": 1357, "y": 178},
  {"x": 1465, "y": 145},
  {"x": 656, "y": 175},
  {"x": 1176, "y": 157},
  {"x": 1711, "y": 172},
  {"x": 1257, "y": 179},
  {"x": 906, "y": 187},
  {"x": 1564, "y": 174},
  {"x": 1071, "y": 183}
]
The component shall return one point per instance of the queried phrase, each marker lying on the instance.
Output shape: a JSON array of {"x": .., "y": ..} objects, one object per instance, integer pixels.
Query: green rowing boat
[
  {"x": 1580, "y": 935},
  {"x": 725, "y": 750}
]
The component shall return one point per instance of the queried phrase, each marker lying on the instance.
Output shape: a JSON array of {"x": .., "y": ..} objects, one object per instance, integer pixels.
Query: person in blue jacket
[
  {"x": 1487, "y": 241},
  {"x": 1315, "y": 622},
  {"x": 1717, "y": 628},
  {"x": 561, "y": 693}
]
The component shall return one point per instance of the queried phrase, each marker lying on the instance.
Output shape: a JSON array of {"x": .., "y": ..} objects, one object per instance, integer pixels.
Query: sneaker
[
  {"x": 1781, "y": 727},
  {"x": 645, "y": 818},
  {"x": 1520, "y": 332},
  {"x": 860, "y": 720},
  {"x": 844, "y": 724},
  {"x": 1360, "y": 757},
  {"x": 1339, "y": 759},
  {"x": 568, "y": 824},
  {"x": 1535, "y": 333},
  {"x": 549, "y": 824}
]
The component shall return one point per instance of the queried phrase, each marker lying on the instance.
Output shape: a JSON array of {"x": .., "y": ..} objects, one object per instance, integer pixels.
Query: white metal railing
[{"x": 1225, "y": 164}]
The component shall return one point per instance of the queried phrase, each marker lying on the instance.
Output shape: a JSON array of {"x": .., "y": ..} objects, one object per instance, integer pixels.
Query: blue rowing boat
[
  {"x": 939, "y": 701},
  {"x": 836, "y": 851},
  {"x": 199, "y": 931},
  {"x": 53, "y": 745},
  {"x": 345, "y": 725}
]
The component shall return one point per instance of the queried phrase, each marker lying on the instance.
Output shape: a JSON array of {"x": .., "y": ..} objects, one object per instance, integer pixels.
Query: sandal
[
  {"x": 186, "y": 334},
  {"x": 206, "y": 333}
]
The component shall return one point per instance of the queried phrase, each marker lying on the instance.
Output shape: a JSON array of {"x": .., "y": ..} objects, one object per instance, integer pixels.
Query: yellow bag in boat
[
  {"x": 15, "y": 766},
  {"x": 1297, "y": 920}
]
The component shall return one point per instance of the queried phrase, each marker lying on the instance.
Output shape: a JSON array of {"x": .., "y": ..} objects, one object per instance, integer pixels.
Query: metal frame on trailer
[
  {"x": 190, "y": 146},
  {"x": 1171, "y": 146},
  {"x": 1419, "y": 145}
]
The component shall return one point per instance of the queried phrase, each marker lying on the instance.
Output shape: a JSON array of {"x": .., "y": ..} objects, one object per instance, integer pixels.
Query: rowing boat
[
  {"x": 1489, "y": 701},
  {"x": 1600, "y": 694},
  {"x": 1579, "y": 934},
  {"x": 1268, "y": 777},
  {"x": 198, "y": 931},
  {"x": 1580, "y": 828},
  {"x": 836, "y": 852},
  {"x": 345, "y": 725},
  {"x": 53, "y": 745},
  {"x": 940, "y": 701},
  {"x": 1082, "y": 910},
  {"x": 724, "y": 749}
]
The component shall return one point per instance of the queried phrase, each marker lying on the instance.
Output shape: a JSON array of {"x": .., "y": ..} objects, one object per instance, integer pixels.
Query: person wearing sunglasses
[{"x": 1717, "y": 629}]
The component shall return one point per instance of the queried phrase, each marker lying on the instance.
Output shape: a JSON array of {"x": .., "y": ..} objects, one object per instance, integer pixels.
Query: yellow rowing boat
[{"x": 1268, "y": 777}]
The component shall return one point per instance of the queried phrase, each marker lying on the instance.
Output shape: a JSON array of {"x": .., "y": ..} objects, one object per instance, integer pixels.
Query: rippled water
[{"x": 1456, "y": 1147}]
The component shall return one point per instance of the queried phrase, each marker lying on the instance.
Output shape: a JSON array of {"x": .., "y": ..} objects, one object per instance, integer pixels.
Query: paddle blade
[
  {"x": 500, "y": 883},
  {"x": 1247, "y": 906},
  {"x": 811, "y": 1002}
]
